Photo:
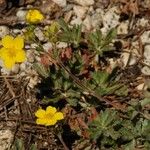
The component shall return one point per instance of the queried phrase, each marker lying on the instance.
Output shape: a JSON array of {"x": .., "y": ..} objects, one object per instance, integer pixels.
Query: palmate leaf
[
  {"x": 103, "y": 124},
  {"x": 70, "y": 35},
  {"x": 41, "y": 70},
  {"x": 101, "y": 43}
]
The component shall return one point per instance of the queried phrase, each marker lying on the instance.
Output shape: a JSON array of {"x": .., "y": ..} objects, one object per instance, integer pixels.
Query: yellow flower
[
  {"x": 34, "y": 16},
  {"x": 12, "y": 51},
  {"x": 49, "y": 116}
]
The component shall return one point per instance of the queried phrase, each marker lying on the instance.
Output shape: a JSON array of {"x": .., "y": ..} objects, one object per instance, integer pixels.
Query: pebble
[
  {"x": 61, "y": 3},
  {"x": 146, "y": 70},
  {"x": 30, "y": 56},
  {"x": 84, "y": 2},
  {"x": 15, "y": 68},
  {"x": 39, "y": 34},
  {"x": 47, "y": 46},
  {"x": 6, "y": 137},
  {"x": 147, "y": 52},
  {"x": 110, "y": 19},
  {"x": 80, "y": 11},
  {"x": 96, "y": 20},
  {"x": 145, "y": 37},
  {"x": 4, "y": 30},
  {"x": 61, "y": 45},
  {"x": 77, "y": 21},
  {"x": 87, "y": 23},
  {"x": 128, "y": 59},
  {"x": 21, "y": 15},
  {"x": 123, "y": 28}
]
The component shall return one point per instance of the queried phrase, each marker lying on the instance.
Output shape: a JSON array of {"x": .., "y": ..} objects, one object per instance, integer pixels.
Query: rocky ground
[{"x": 20, "y": 95}]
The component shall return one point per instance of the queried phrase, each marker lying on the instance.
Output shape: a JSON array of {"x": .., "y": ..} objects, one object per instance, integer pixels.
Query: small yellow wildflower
[
  {"x": 12, "y": 51},
  {"x": 49, "y": 116},
  {"x": 34, "y": 16}
]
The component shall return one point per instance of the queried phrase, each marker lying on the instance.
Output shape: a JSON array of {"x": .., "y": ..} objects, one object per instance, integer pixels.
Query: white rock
[
  {"x": 80, "y": 11},
  {"x": 123, "y": 28},
  {"x": 76, "y": 21},
  {"x": 33, "y": 81},
  {"x": 33, "y": 45},
  {"x": 15, "y": 68},
  {"x": 30, "y": 56},
  {"x": 47, "y": 46},
  {"x": 6, "y": 138},
  {"x": 39, "y": 34},
  {"x": 61, "y": 3},
  {"x": 85, "y": 2},
  {"x": 96, "y": 20},
  {"x": 147, "y": 52},
  {"x": 110, "y": 19},
  {"x": 21, "y": 15},
  {"x": 146, "y": 70},
  {"x": 140, "y": 86},
  {"x": 4, "y": 30},
  {"x": 128, "y": 60},
  {"x": 142, "y": 22},
  {"x": 61, "y": 45},
  {"x": 87, "y": 23},
  {"x": 145, "y": 37}
]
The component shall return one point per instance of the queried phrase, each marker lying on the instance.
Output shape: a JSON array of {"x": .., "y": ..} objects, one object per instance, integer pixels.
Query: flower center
[
  {"x": 11, "y": 53},
  {"x": 49, "y": 116}
]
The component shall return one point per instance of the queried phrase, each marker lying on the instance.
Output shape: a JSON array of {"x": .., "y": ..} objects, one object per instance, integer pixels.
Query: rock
[
  {"x": 15, "y": 68},
  {"x": 140, "y": 86},
  {"x": 87, "y": 23},
  {"x": 6, "y": 138},
  {"x": 128, "y": 59},
  {"x": 110, "y": 19},
  {"x": 39, "y": 34},
  {"x": 61, "y": 45},
  {"x": 61, "y": 3},
  {"x": 21, "y": 15},
  {"x": 147, "y": 52},
  {"x": 84, "y": 2},
  {"x": 76, "y": 21},
  {"x": 4, "y": 30},
  {"x": 47, "y": 46},
  {"x": 30, "y": 56},
  {"x": 145, "y": 37},
  {"x": 49, "y": 7},
  {"x": 80, "y": 11},
  {"x": 146, "y": 70},
  {"x": 33, "y": 81},
  {"x": 96, "y": 20},
  {"x": 17, "y": 31},
  {"x": 123, "y": 28}
]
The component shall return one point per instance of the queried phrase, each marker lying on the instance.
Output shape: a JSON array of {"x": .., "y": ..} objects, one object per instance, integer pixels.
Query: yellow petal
[
  {"x": 8, "y": 63},
  {"x": 18, "y": 43},
  {"x": 50, "y": 110},
  {"x": 59, "y": 116},
  {"x": 41, "y": 121},
  {"x": 20, "y": 56},
  {"x": 7, "y": 41},
  {"x": 51, "y": 122},
  {"x": 3, "y": 52},
  {"x": 40, "y": 113}
]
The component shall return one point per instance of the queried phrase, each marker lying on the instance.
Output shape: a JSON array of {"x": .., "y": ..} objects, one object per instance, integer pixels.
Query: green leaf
[
  {"x": 100, "y": 77},
  {"x": 41, "y": 70},
  {"x": 33, "y": 147},
  {"x": 19, "y": 145},
  {"x": 130, "y": 146},
  {"x": 145, "y": 101}
]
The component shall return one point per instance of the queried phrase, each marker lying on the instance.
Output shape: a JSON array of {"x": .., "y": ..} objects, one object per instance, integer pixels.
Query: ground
[{"x": 90, "y": 59}]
